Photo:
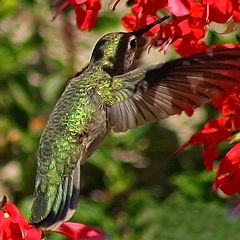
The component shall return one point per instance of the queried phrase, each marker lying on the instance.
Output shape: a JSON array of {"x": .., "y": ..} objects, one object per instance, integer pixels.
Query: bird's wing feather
[{"x": 163, "y": 90}]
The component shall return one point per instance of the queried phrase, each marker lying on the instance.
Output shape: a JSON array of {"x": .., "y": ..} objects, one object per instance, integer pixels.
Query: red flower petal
[
  {"x": 86, "y": 15},
  {"x": 76, "y": 2},
  {"x": 130, "y": 23},
  {"x": 228, "y": 175},
  {"x": 180, "y": 7},
  {"x": 77, "y": 231},
  {"x": 219, "y": 11},
  {"x": 236, "y": 16},
  {"x": 210, "y": 136},
  {"x": 188, "y": 46},
  {"x": 86, "y": 11},
  {"x": 143, "y": 13},
  {"x": 198, "y": 11},
  {"x": 14, "y": 226},
  {"x": 143, "y": 8},
  {"x": 229, "y": 103},
  {"x": 14, "y": 213}
]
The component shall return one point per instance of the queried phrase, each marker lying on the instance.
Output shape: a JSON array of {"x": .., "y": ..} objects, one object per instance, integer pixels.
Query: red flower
[
  {"x": 77, "y": 231},
  {"x": 143, "y": 13},
  {"x": 214, "y": 132},
  {"x": 228, "y": 175},
  {"x": 14, "y": 226},
  {"x": 86, "y": 11},
  {"x": 179, "y": 7},
  {"x": 86, "y": 16},
  {"x": 219, "y": 11},
  {"x": 229, "y": 104},
  {"x": 188, "y": 29},
  {"x": 131, "y": 22},
  {"x": 189, "y": 33}
]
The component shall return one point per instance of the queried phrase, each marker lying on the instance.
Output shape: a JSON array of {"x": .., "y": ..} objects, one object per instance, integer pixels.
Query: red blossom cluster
[
  {"x": 14, "y": 226},
  {"x": 189, "y": 24},
  {"x": 224, "y": 128},
  {"x": 186, "y": 30},
  {"x": 228, "y": 175}
]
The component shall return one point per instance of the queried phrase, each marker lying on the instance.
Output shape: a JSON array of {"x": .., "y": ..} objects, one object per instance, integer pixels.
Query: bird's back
[{"x": 75, "y": 128}]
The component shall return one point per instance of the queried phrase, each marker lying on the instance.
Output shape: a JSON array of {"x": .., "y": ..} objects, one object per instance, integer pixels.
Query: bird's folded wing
[{"x": 166, "y": 89}]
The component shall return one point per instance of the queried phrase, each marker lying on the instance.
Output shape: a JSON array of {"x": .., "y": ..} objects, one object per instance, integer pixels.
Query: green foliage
[{"x": 131, "y": 187}]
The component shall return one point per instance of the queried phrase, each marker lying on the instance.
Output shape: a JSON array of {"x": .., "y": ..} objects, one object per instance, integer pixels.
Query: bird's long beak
[{"x": 141, "y": 31}]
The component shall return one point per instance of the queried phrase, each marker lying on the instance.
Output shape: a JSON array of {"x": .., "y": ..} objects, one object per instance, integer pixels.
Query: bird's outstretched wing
[{"x": 159, "y": 91}]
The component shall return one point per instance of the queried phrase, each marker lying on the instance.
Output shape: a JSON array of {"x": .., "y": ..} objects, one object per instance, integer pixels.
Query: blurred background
[{"x": 131, "y": 187}]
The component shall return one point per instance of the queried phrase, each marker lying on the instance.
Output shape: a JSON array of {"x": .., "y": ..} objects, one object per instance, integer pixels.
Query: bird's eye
[{"x": 133, "y": 43}]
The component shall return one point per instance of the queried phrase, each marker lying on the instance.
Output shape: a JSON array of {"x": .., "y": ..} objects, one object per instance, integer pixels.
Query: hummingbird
[{"x": 108, "y": 95}]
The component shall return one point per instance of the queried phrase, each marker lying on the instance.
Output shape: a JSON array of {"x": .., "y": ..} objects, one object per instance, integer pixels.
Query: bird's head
[{"x": 116, "y": 51}]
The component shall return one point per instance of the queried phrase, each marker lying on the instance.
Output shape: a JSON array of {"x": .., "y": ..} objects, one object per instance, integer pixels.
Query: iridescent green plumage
[
  {"x": 105, "y": 96},
  {"x": 75, "y": 128}
]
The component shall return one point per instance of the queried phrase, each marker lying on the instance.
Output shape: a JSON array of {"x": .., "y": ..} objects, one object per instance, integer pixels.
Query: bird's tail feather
[{"x": 63, "y": 205}]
